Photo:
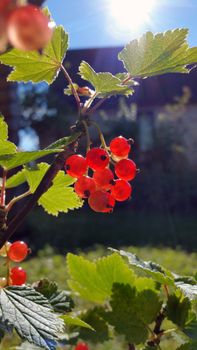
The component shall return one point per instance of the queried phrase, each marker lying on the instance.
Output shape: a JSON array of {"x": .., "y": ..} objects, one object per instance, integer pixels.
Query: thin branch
[
  {"x": 3, "y": 186},
  {"x": 16, "y": 199},
  {"x": 74, "y": 91},
  {"x": 96, "y": 106},
  {"x": 88, "y": 103},
  {"x": 44, "y": 185},
  {"x": 131, "y": 346}
]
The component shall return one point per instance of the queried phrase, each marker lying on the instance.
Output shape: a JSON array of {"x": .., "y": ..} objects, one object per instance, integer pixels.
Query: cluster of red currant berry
[
  {"x": 14, "y": 252},
  {"x": 103, "y": 189},
  {"x": 81, "y": 346},
  {"x": 25, "y": 27}
]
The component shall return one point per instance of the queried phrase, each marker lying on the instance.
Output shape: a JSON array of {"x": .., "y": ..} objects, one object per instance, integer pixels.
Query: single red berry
[
  {"x": 84, "y": 186},
  {"x": 97, "y": 158},
  {"x": 121, "y": 190},
  {"x": 104, "y": 178},
  {"x": 6, "y": 6},
  {"x": 28, "y": 28},
  {"x": 18, "y": 251},
  {"x": 101, "y": 202},
  {"x": 125, "y": 169},
  {"x": 120, "y": 147},
  {"x": 18, "y": 276},
  {"x": 76, "y": 165},
  {"x": 81, "y": 346}
]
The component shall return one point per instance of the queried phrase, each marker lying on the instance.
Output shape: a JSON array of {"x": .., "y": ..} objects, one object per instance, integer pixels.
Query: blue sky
[{"x": 91, "y": 25}]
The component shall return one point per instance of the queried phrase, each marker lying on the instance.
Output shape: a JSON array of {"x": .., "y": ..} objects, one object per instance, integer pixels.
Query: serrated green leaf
[
  {"x": 188, "y": 289},
  {"x": 191, "y": 329},
  {"x": 124, "y": 316},
  {"x": 178, "y": 309},
  {"x": 12, "y": 161},
  {"x": 16, "y": 180},
  {"x": 60, "y": 301},
  {"x": 29, "y": 313},
  {"x": 158, "y": 54},
  {"x": 94, "y": 280},
  {"x": 31, "y": 66},
  {"x": 143, "y": 283},
  {"x": 101, "y": 330},
  {"x": 3, "y": 129},
  {"x": 157, "y": 272},
  {"x": 65, "y": 141},
  {"x": 60, "y": 197},
  {"x": 7, "y": 147},
  {"x": 71, "y": 320},
  {"x": 148, "y": 305},
  {"x": 105, "y": 84}
]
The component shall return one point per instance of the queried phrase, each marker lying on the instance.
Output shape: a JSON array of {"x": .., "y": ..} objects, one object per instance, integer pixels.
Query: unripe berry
[
  {"x": 18, "y": 276},
  {"x": 97, "y": 158},
  {"x": 103, "y": 178},
  {"x": 81, "y": 346},
  {"x": 3, "y": 282},
  {"x": 84, "y": 186},
  {"x": 101, "y": 202},
  {"x": 28, "y": 28},
  {"x": 120, "y": 147},
  {"x": 76, "y": 165},
  {"x": 18, "y": 251},
  {"x": 125, "y": 169},
  {"x": 121, "y": 190},
  {"x": 4, "y": 249}
]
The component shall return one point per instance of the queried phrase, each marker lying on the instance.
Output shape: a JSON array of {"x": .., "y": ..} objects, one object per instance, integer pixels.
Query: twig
[
  {"x": 131, "y": 346},
  {"x": 16, "y": 199},
  {"x": 44, "y": 185},
  {"x": 96, "y": 106},
  {"x": 3, "y": 186},
  {"x": 74, "y": 91}
]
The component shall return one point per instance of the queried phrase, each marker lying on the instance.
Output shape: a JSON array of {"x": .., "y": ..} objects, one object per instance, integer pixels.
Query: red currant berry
[
  {"x": 18, "y": 276},
  {"x": 97, "y": 158},
  {"x": 81, "y": 346},
  {"x": 120, "y": 147},
  {"x": 76, "y": 165},
  {"x": 101, "y": 202},
  {"x": 125, "y": 169},
  {"x": 6, "y": 6},
  {"x": 18, "y": 251},
  {"x": 103, "y": 178},
  {"x": 28, "y": 28},
  {"x": 84, "y": 186},
  {"x": 121, "y": 190}
]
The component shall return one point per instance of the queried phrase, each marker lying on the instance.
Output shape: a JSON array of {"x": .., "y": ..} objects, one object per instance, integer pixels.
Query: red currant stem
[
  {"x": 126, "y": 79},
  {"x": 88, "y": 103},
  {"x": 166, "y": 290},
  {"x": 44, "y": 185},
  {"x": 89, "y": 142},
  {"x": 3, "y": 186},
  {"x": 103, "y": 143},
  {"x": 96, "y": 106},
  {"x": 16, "y": 199},
  {"x": 74, "y": 91}
]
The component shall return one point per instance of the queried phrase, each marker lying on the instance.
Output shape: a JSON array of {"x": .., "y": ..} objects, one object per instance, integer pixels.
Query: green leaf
[
  {"x": 178, "y": 309},
  {"x": 60, "y": 197},
  {"x": 3, "y": 129},
  {"x": 191, "y": 329},
  {"x": 94, "y": 318},
  {"x": 75, "y": 321},
  {"x": 7, "y": 147},
  {"x": 12, "y": 161},
  {"x": 65, "y": 141},
  {"x": 188, "y": 346},
  {"x": 188, "y": 289},
  {"x": 105, "y": 84},
  {"x": 60, "y": 301},
  {"x": 31, "y": 66},
  {"x": 148, "y": 306},
  {"x": 162, "y": 53},
  {"x": 16, "y": 180},
  {"x": 124, "y": 316},
  {"x": 157, "y": 272},
  {"x": 94, "y": 280},
  {"x": 29, "y": 313},
  {"x": 143, "y": 283}
]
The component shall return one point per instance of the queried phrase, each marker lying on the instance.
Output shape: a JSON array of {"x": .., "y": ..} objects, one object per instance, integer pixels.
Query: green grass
[{"x": 52, "y": 265}]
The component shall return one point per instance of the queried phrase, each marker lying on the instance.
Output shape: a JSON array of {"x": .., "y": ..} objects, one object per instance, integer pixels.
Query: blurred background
[{"x": 161, "y": 117}]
